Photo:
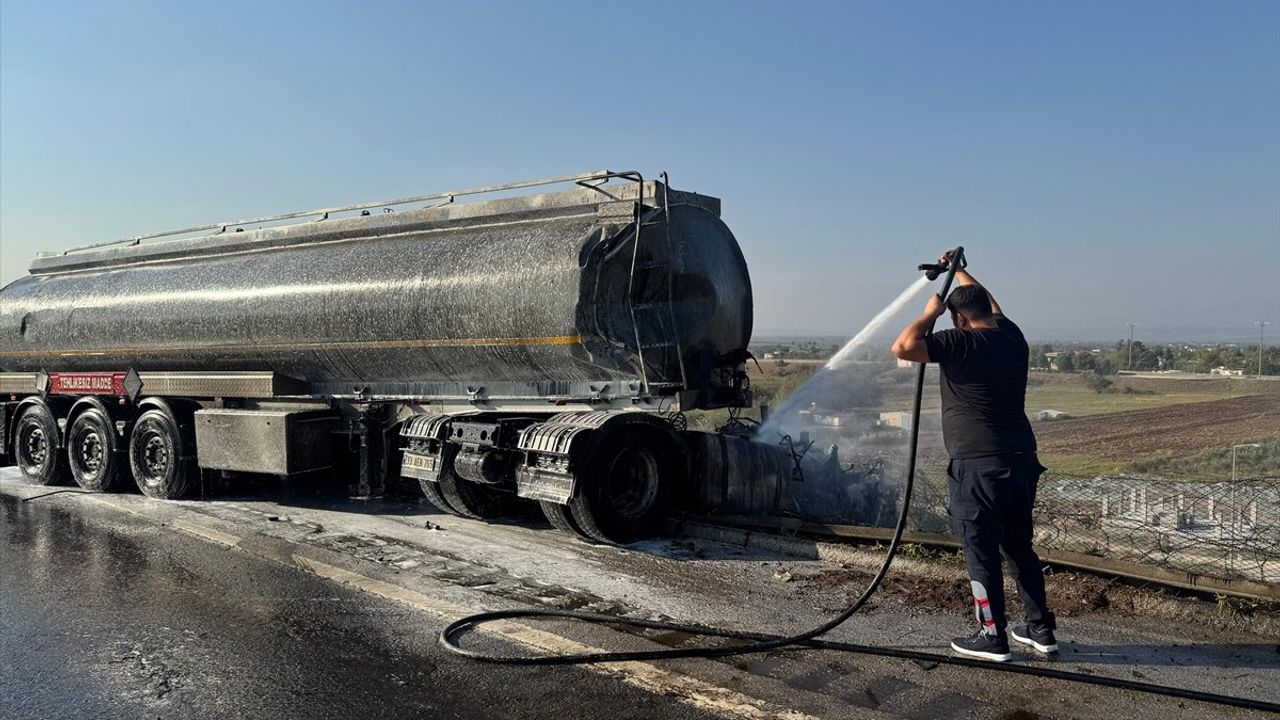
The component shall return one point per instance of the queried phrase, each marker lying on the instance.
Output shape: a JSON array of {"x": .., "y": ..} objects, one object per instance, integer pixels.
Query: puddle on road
[
  {"x": 813, "y": 681},
  {"x": 674, "y": 638}
]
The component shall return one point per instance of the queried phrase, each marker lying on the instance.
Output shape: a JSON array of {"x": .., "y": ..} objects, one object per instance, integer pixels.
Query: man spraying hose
[{"x": 994, "y": 469}]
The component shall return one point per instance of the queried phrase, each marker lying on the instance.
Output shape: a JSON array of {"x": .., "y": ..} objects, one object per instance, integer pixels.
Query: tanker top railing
[{"x": 591, "y": 180}]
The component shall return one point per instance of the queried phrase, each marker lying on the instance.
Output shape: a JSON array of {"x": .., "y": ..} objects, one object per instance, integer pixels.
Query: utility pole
[
  {"x": 1233, "y": 456},
  {"x": 1262, "y": 326},
  {"x": 1131, "y": 324},
  {"x": 1236, "y": 515}
]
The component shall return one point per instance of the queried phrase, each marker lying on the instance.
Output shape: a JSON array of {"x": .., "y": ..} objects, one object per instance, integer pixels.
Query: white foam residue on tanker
[{"x": 810, "y": 392}]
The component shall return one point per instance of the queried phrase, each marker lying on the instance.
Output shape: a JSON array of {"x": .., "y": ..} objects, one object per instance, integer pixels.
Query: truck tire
[
  {"x": 624, "y": 490},
  {"x": 463, "y": 497},
  {"x": 473, "y": 500},
  {"x": 431, "y": 489},
  {"x": 92, "y": 452},
  {"x": 561, "y": 518},
  {"x": 456, "y": 496},
  {"x": 158, "y": 451},
  {"x": 35, "y": 447}
]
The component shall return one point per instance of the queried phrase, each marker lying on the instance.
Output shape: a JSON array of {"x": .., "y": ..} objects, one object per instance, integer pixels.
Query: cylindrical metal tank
[{"x": 540, "y": 296}]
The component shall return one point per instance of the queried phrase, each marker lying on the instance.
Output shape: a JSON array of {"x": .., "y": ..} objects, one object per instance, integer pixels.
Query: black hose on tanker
[{"x": 762, "y": 642}]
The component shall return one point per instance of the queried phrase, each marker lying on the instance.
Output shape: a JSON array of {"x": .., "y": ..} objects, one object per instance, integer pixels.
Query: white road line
[
  {"x": 692, "y": 691},
  {"x": 701, "y": 694}
]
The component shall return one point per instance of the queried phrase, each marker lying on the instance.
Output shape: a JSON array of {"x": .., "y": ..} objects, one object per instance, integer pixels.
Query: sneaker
[
  {"x": 1040, "y": 638},
  {"x": 983, "y": 645}
]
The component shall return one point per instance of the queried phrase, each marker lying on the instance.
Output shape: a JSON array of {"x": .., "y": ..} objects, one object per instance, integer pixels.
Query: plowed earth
[{"x": 1172, "y": 431}]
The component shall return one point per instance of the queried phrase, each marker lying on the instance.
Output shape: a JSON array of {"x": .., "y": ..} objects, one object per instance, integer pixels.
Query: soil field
[
  {"x": 1171, "y": 431},
  {"x": 1137, "y": 419},
  {"x": 1079, "y": 401}
]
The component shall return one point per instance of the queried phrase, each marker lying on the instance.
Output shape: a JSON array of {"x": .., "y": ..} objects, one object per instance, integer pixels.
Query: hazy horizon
[
  {"x": 1102, "y": 163},
  {"x": 1166, "y": 336}
]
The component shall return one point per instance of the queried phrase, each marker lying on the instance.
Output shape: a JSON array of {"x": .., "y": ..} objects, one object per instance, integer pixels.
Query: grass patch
[
  {"x": 1081, "y": 401},
  {"x": 1077, "y": 400},
  {"x": 1083, "y": 465},
  {"x": 1070, "y": 394},
  {"x": 1246, "y": 607},
  {"x": 1215, "y": 464}
]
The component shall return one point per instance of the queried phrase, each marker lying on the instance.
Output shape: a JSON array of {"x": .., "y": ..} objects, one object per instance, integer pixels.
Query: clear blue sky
[{"x": 1102, "y": 161}]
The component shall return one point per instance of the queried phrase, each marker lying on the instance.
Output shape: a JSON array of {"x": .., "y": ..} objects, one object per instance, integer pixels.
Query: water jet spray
[{"x": 762, "y": 642}]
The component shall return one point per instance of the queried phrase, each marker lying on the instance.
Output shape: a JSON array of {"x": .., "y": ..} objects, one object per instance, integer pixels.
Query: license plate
[{"x": 420, "y": 462}]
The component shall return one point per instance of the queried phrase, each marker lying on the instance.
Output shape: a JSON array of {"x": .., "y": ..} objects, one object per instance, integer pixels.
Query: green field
[
  {"x": 1209, "y": 465},
  {"x": 1083, "y": 465},
  {"x": 1065, "y": 393},
  {"x": 1080, "y": 400},
  {"x": 1071, "y": 394}
]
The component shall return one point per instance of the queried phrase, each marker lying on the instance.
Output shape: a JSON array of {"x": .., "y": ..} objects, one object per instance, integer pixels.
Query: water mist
[{"x": 818, "y": 387}]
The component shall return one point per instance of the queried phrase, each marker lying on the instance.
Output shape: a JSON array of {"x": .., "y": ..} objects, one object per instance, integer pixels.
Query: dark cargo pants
[{"x": 991, "y": 499}]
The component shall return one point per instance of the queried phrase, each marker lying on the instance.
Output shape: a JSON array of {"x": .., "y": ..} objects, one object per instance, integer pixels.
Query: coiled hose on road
[{"x": 763, "y": 642}]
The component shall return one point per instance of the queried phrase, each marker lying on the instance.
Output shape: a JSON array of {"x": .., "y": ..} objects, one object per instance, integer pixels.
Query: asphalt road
[
  {"x": 269, "y": 603},
  {"x": 129, "y": 621}
]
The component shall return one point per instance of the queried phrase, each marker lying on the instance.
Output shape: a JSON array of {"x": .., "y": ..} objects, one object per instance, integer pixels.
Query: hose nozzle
[
  {"x": 950, "y": 261},
  {"x": 933, "y": 270}
]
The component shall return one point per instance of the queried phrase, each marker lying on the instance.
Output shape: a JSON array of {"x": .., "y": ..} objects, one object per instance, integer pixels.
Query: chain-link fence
[
  {"x": 1224, "y": 529},
  {"x": 1227, "y": 529}
]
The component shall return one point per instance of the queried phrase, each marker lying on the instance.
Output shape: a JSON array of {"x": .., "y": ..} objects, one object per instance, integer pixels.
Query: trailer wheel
[
  {"x": 469, "y": 499},
  {"x": 463, "y": 498},
  {"x": 157, "y": 455},
  {"x": 432, "y": 490},
  {"x": 92, "y": 452},
  {"x": 35, "y": 447},
  {"x": 625, "y": 488},
  {"x": 561, "y": 518}
]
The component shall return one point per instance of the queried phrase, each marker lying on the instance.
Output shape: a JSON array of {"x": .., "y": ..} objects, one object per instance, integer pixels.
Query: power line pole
[
  {"x": 1262, "y": 326},
  {"x": 1131, "y": 324}
]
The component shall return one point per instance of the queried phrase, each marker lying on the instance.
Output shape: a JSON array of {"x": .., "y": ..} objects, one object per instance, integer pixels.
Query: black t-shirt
[{"x": 984, "y": 389}]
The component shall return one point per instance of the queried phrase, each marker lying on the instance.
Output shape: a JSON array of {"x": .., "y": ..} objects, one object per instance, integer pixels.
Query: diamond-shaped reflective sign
[{"x": 132, "y": 385}]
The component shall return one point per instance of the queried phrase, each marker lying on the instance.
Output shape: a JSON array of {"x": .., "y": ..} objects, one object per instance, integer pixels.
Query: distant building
[
  {"x": 1191, "y": 506},
  {"x": 1053, "y": 357},
  {"x": 814, "y": 416},
  {"x": 902, "y": 419}
]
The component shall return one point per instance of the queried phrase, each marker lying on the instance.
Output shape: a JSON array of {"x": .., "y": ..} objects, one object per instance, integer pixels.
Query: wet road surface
[
  {"x": 268, "y": 602},
  {"x": 130, "y": 621}
]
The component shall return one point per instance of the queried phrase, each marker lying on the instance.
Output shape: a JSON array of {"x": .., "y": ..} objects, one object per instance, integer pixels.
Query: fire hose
[{"x": 763, "y": 642}]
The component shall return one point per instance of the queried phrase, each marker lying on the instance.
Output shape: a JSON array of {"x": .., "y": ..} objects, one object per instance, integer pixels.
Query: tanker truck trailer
[{"x": 515, "y": 348}]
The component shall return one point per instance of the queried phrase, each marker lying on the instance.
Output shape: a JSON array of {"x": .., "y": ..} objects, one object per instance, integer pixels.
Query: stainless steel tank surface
[{"x": 539, "y": 296}]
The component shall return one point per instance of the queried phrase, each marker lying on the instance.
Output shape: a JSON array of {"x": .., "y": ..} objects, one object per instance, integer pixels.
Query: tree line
[{"x": 1075, "y": 358}]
